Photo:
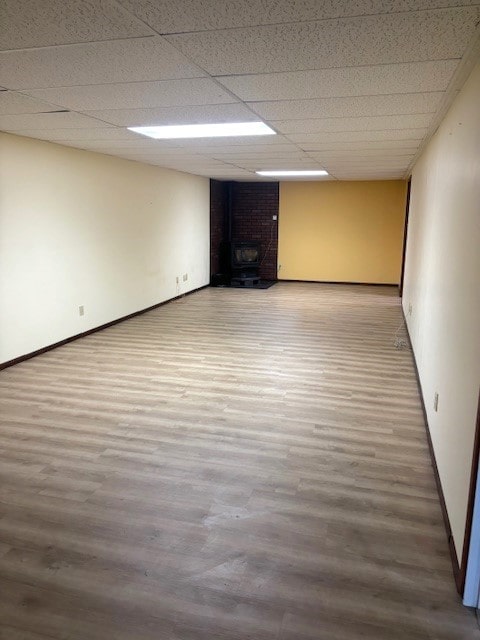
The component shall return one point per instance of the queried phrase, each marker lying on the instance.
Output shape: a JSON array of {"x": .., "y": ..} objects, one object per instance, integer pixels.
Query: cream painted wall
[
  {"x": 341, "y": 231},
  {"x": 80, "y": 228},
  {"x": 443, "y": 286}
]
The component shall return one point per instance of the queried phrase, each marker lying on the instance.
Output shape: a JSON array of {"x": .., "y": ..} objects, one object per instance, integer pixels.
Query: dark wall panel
[
  {"x": 218, "y": 212},
  {"x": 254, "y": 204}
]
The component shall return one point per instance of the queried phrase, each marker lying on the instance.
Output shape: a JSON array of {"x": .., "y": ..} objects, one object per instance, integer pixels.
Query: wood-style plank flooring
[{"x": 235, "y": 465}]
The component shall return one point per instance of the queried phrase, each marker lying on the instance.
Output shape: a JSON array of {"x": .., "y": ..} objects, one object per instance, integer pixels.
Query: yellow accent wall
[{"x": 341, "y": 231}]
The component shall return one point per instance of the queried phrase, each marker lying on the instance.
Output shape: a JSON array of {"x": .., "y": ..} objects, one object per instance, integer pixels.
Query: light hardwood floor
[{"x": 236, "y": 465}]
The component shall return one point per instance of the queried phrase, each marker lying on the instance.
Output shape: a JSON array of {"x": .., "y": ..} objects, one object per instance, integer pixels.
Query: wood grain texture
[{"x": 234, "y": 465}]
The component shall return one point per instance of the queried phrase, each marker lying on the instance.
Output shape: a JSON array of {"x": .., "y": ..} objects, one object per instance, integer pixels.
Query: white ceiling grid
[{"x": 353, "y": 87}]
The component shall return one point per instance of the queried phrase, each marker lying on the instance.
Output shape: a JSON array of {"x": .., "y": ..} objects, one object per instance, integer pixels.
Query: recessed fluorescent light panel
[
  {"x": 292, "y": 174},
  {"x": 220, "y": 130}
]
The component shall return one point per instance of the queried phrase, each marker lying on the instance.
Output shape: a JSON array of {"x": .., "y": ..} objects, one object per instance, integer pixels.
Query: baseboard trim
[
  {"x": 457, "y": 574},
  {"x": 60, "y": 343},
  {"x": 363, "y": 284},
  {"x": 471, "y": 502}
]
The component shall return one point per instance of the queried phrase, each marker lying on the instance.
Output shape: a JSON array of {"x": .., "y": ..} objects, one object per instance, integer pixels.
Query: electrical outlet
[
  {"x": 410, "y": 309},
  {"x": 185, "y": 277},
  {"x": 435, "y": 401},
  {"x": 178, "y": 280},
  {"x": 81, "y": 310}
]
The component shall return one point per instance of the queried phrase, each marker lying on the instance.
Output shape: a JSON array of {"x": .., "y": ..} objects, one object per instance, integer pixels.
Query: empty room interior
[{"x": 239, "y": 319}]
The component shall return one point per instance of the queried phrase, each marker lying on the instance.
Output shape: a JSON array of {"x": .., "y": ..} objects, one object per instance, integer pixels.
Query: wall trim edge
[
  {"x": 83, "y": 334},
  {"x": 471, "y": 502},
  {"x": 365, "y": 284},
  {"x": 457, "y": 573}
]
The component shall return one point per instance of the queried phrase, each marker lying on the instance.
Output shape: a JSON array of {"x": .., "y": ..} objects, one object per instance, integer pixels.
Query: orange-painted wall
[{"x": 341, "y": 231}]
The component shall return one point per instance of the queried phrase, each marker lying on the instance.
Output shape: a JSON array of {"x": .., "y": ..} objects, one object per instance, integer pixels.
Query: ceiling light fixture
[
  {"x": 293, "y": 174},
  {"x": 222, "y": 129}
]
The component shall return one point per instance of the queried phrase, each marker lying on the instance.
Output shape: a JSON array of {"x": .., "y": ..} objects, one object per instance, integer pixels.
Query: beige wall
[
  {"x": 442, "y": 285},
  {"x": 80, "y": 228},
  {"x": 341, "y": 231}
]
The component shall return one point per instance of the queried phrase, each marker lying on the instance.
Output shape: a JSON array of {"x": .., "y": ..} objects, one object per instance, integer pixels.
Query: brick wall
[
  {"x": 253, "y": 206},
  {"x": 218, "y": 209}
]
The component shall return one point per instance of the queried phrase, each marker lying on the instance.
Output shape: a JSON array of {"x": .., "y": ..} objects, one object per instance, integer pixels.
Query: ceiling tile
[
  {"x": 142, "y": 144},
  {"x": 229, "y": 170},
  {"x": 347, "y": 154},
  {"x": 347, "y": 147},
  {"x": 168, "y": 161},
  {"x": 47, "y": 121},
  {"x": 366, "y": 171},
  {"x": 236, "y": 143},
  {"x": 72, "y": 134},
  {"x": 149, "y": 153},
  {"x": 204, "y": 163},
  {"x": 239, "y": 174},
  {"x": 358, "y": 106},
  {"x": 351, "y": 81},
  {"x": 375, "y": 159},
  {"x": 26, "y": 23},
  {"x": 12, "y": 103},
  {"x": 199, "y": 163},
  {"x": 250, "y": 149},
  {"x": 355, "y": 94},
  {"x": 175, "y": 16},
  {"x": 274, "y": 163},
  {"x": 179, "y": 115},
  {"x": 140, "y": 59},
  {"x": 364, "y": 166},
  {"x": 373, "y": 171},
  {"x": 278, "y": 164},
  {"x": 360, "y": 175},
  {"x": 379, "y": 164},
  {"x": 254, "y": 160},
  {"x": 366, "y": 40},
  {"x": 359, "y": 157},
  {"x": 369, "y": 174},
  {"x": 333, "y": 139},
  {"x": 343, "y": 147},
  {"x": 196, "y": 91},
  {"x": 374, "y": 123}
]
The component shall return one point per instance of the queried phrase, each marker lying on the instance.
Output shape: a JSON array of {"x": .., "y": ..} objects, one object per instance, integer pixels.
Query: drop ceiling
[{"x": 353, "y": 87}]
